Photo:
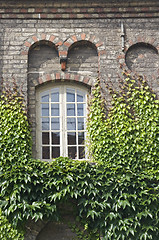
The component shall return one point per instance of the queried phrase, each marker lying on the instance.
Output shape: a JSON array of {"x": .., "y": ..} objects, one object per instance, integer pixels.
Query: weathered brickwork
[{"x": 42, "y": 42}]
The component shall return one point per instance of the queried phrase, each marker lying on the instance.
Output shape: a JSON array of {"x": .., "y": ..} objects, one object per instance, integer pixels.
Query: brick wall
[{"x": 37, "y": 39}]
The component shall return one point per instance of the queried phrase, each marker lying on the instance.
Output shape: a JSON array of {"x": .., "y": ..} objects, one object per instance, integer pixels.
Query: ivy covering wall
[{"x": 116, "y": 197}]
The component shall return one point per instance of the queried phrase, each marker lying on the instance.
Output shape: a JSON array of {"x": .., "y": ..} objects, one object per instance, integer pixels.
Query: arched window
[{"x": 61, "y": 121}]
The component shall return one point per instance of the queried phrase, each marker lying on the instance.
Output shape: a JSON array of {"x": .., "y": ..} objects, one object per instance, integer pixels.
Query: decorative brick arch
[
  {"x": 38, "y": 38},
  {"x": 137, "y": 40},
  {"x": 64, "y": 48},
  {"x": 57, "y": 76}
]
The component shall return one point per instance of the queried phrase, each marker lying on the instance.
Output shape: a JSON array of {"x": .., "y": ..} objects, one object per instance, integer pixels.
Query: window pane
[
  {"x": 55, "y": 152},
  {"x": 80, "y": 109},
  {"x": 45, "y": 109},
  {"x": 81, "y": 152},
  {"x": 71, "y": 137},
  {"x": 70, "y": 109},
  {"x": 81, "y": 138},
  {"x": 72, "y": 152},
  {"x": 80, "y": 96},
  {"x": 81, "y": 124},
  {"x": 55, "y": 138},
  {"x": 55, "y": 124},
  {"x": 45, "y": 124},
  {"x": 46, "y": 152},
  {"x": 55, "y": 96},
  {"x": 71, "y": 124},
  {"x": 45, "y": 138},
  {"x": 45, "y": 98},
  {"x": 54, "y": 109},
  {"x": 70, "y": 95}
]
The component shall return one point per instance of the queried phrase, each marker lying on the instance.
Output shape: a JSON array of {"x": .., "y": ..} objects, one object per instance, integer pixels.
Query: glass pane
[
  {"x": 46, "y": 152},
  {"x": 80, "y": 109},
  {"x": 71, "y": 124},
  {"x": 55, "y": 138},
  {"x": 71, "y": 137},
  {"x": 54, "y": 109},
  {"x": 81, "y": 124},
  {"x": 45, "y": 98},
  {"x": 45, "y": 124},
  {"x": 81, "y": 138},
  {"x": 70, "y": 95},
  {"x": 55, "y": 124},
  {"x": 45, "y": 109},
  {"x": 70, "y": 109},
  {"x": 72, "y": 152},
  {"x": 55, "y": 152},
  {"x": 81, "y": 152},
  {"x": 55, "y": 95},
  {"x": 80, "y": 96},
  {"x": 45, "y": 138}
]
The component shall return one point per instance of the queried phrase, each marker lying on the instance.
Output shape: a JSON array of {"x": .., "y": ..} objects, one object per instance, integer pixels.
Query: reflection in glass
[
  {"x": 55, "y": 124},
  {"x": 81, "y": 138},
  {"x": 54, "y": 109},
  {"x": 70, "y": 95},
  {"x": 45, "y": 124},
  {"x": 71, "y": 124},
  {"x": 81, "y": 152},
  {"x": 72, "y": 152},
  {"x": 80, "y": 97},
  {"x": 71, "y": 137},
  {"x": 81, "y": 125},
  {"x": 80, "y": 111},
  {"x": 45, "y": 138},
  {"x": 55, "y": 152},
  {"x": 45, "y": 98},
  {"x": 46, "y": 152},
  {"x": 70, "y": 109},
  {"x": 45, "y": 109},
  {"x": 55, "y": 138},
  {"x": 55, "y": 97}
]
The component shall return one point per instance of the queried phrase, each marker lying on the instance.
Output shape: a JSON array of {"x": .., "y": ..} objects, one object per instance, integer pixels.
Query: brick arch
[
  {"x": 38, "y": 38},
  {"x": 137, "y": 40},
  {"x": 63, "y": 49},
  {"x": 57, "y": 76}
]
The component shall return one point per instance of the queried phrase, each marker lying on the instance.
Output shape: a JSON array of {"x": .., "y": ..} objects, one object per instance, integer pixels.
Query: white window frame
[{"x": 63, "y": 116}]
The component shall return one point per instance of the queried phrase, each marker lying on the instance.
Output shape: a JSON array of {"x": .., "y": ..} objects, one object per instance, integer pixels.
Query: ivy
[{"x": 117, "y": 197}]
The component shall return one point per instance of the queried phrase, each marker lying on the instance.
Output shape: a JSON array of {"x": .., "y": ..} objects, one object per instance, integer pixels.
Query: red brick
[
  {"x": 62, "y": 53},
  {"x": 99, "y": 44},
  {"x": 53, "y": 10},
  {"x": 72, "y": 15},
  {"x": 52, "y": 37},
  {"x": 40, "y": 80},
  {"x": 102, "y": 52},
  {"x": 86, "y": 80},
  {"x": 67, "y": 44},
  {"x": 83, "y": 36},
  {"x": 59, "y": 43},
  {"x": 76, "y": 77},
  {"x": 27, "y": 44},
  {"x": 24, "y": 53},
  {"x": 38, "y": 10},
  {"x": 67, "y": 76},
  {"x": 74, "y": 38},
  {"x": 43, "y": 36},
  {"x": 23, "y": 10},
  {"x": 58, "y": 76},
  {"x": 35, "y": 39},
  {"x": 48, "y": 77}
]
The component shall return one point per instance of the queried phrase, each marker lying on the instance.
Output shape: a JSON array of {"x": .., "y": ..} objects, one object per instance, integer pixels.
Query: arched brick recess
[
  {"x": 137, "y": 40},
  {"x": 83, "y": 59},
  {"x": 63, "y": 49}
]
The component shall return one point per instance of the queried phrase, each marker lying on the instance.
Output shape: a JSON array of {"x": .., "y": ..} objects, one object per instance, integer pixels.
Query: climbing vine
[{"x": 117, "y": 197}]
